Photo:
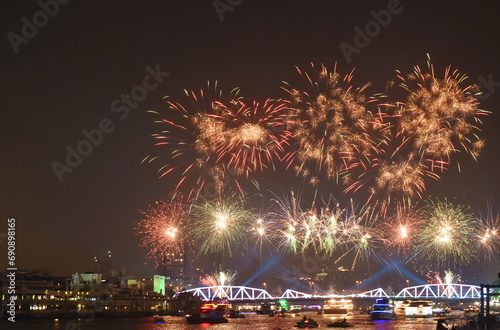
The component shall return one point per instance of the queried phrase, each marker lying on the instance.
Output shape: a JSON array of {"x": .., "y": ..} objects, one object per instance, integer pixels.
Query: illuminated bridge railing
[
  {"x": 230, "y": 293},
  {"x": 377, "y": 293},
  {"x": 428, "y": 291},
  {"x": 292, "y": 294},
  {"x": 247, "y": 293},
  {"x": 451, "y": 291}
]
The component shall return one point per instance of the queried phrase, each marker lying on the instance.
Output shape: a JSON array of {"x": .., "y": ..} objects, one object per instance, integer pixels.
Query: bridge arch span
[
  {"x": 451, "y": 291},
  {"x": 230, "y": 293}
]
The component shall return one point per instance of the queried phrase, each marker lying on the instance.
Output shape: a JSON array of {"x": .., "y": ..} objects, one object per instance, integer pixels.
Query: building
[
  {"x": 159, "y": 284},
  {"x": 86, "y": 282},
  {"x": 179, "y": 269}
]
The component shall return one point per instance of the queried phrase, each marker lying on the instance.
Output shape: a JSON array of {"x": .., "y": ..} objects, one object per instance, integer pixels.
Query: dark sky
[{"x": 64, "y": 78}]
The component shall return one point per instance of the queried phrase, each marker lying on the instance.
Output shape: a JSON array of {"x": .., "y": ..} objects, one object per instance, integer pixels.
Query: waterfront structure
[{"x": 44, "y": 298}]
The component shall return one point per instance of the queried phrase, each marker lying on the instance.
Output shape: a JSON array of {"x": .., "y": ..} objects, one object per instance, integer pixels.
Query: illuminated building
[
  {"x": 178, "y": 269},
  {"x": 159, "y": 284},
  {"x": 86, "y": 281}
]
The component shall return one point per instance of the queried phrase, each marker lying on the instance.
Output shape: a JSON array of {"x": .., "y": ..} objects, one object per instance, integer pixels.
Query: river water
[{"x": 251, "y": 321}]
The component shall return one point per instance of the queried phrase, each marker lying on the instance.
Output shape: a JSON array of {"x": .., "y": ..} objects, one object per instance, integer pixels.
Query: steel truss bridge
[{"x": 427, "y": 291}]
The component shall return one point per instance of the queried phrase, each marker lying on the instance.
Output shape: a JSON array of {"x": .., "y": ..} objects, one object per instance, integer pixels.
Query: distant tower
[
  {"x": 178, "y": 268},
  {"x": 103, "y": 265}
]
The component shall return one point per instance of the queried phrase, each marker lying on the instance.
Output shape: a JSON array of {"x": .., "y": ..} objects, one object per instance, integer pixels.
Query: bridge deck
[{"x": 427, "y": 291}]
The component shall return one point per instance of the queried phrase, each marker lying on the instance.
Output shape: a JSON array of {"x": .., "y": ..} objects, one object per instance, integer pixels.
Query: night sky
[{"x": 64, "y": 79}]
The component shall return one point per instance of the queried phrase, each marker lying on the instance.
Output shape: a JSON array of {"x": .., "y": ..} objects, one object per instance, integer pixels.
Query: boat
[
  {"x": 209, "y": 313},
  {"x": 342, "y": 306},
  {"x": 414, "y": 308},
  {"x": 234, "y": 314},
  {"x": 265, "y": 309},
  {"x": 340, "y": 324},
  {"x": 307, "y": 323},
  {"x": 158, "y": 319},
  {"x": 382, "y": 309}
]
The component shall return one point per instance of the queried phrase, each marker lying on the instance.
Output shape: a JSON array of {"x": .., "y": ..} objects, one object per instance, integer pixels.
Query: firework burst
[
  {"x": 254, "y": 135},
  {"x": 330, "y": 123},
  {"x": 261, "y": 232},
  {"x": 401, "y": 230},
  {"x": 488, "y": 236},
  {"x": 187, "y": 141},
  {"x": 163, "y": 229},
  {"x": 440, "y": 115},
  {"x": 221, "y": 225},
  {"x": 446, "y": 238}
]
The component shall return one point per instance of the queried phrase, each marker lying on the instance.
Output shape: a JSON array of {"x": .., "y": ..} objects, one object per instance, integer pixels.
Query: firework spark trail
[
  {"x": 163, "y": 229},
  {"x": 446, "y": 238},
  {"x": 286, "y": 214},
  {"x": 219, "y": 278},
  {"x": 358, "y": 234},
  {"x": 449, "y": 277},
  {"x": 328, "y": 229},
  {"x": 394, "y": 175}
]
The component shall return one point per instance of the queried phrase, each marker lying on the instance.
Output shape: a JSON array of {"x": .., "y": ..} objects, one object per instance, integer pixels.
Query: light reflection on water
[{"x": 251, "y": 321}]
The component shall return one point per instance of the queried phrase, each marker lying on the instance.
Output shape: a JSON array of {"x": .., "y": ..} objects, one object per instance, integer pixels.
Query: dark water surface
[{"x": 251, "y": 321}]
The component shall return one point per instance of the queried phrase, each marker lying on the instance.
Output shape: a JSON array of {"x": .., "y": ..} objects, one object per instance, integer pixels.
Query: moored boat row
[{"x": 382, "y": 309}]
